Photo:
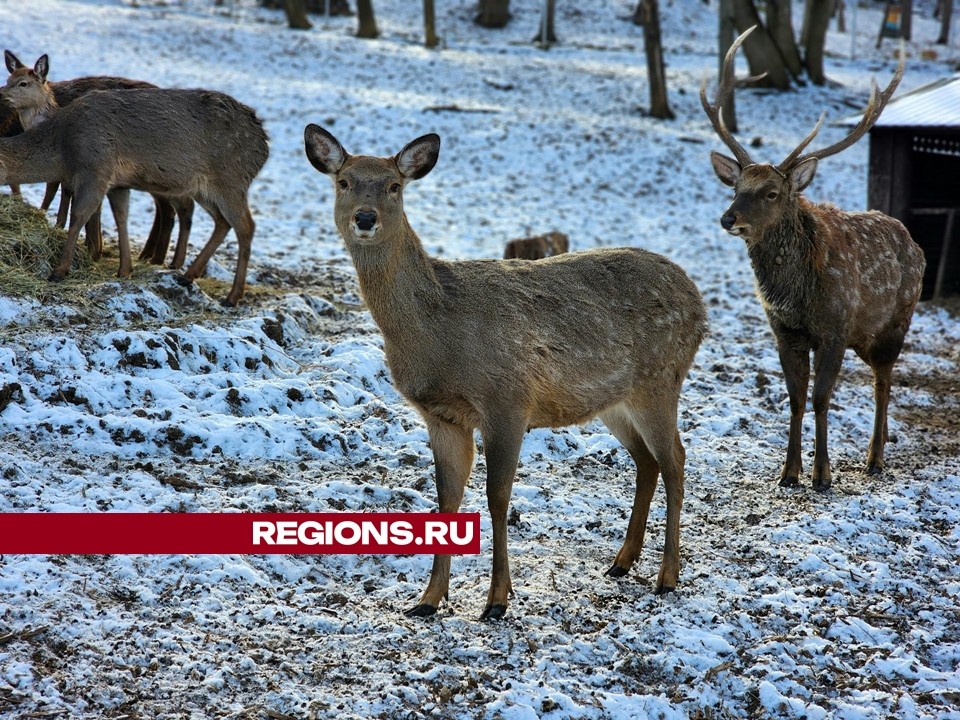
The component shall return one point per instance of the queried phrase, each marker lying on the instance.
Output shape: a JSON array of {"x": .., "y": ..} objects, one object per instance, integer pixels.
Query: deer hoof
[
  {"x": 230, "y": 302},
  {"x": 787, "y": 481},
  {"x": 663, "y": 589},
  {"x": 494, "y": 612},
  {"x": 56, "y": 276},
  {"x": 874, "y": 468},
  {"x": 822, "y": 484},
  {"x": 421, "y": 610},
  {"x": 616, "y": 572}
]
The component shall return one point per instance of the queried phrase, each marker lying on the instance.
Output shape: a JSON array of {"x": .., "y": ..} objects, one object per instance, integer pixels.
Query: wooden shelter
[{"x": 915, "y": 175}]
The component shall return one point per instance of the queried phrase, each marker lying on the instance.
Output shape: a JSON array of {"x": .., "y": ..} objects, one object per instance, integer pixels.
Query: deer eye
[
  {"x": 395, "y": 188},
  {"x": 23, "y": 83},
  {"x": 772, "y": 195},
  {"x": 344, "y": 185}
]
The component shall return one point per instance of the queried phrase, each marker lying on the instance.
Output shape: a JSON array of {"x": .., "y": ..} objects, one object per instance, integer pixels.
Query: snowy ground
[{"x": 150, "y": 397}]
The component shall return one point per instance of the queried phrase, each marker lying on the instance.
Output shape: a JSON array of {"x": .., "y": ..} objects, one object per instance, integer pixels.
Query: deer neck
[
  {"x": 397, "y": 281},
  {"x": 31, "y": 157},
  {"x": 785, "y": 264},
  {"x": 32, "y": 116}
]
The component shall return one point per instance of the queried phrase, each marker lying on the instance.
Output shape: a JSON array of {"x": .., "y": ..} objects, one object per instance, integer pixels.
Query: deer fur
[
  {"x": 614, "y": 333},
  {"x": 35, "y": 99},
  {"x": 199, "y": 143},
  {"x": 828, "y": 279}
]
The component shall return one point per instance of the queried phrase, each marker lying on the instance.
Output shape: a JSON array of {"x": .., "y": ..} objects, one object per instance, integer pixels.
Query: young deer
[
  {"x": 34, "y": 99},
  {"x": 828, "y": 279},
  {"x": 614, "y": 333},
  {"x": 198, "y": 143}
]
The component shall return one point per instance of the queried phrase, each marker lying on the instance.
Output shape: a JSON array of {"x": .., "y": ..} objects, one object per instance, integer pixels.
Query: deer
[
  {"x": 827, "y": 279},
  {"x": 537, "y": 247},
  {"x": 199, "y": 143},
  {"x": 34, "y": 99},
  {"x": 615, "y": 334}
]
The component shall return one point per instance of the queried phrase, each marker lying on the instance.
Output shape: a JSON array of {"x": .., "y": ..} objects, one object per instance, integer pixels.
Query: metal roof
[{"x": 935, "y": 104}]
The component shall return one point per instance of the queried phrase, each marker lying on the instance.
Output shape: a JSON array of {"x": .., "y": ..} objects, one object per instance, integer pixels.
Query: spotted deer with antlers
[{"x": 828, "y": 279}]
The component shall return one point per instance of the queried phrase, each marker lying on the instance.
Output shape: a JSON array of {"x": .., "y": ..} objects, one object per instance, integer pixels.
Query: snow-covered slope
[{"x": 148, "y": 396}]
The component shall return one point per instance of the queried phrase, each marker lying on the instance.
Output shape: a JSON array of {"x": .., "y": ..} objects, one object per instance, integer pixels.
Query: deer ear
[
  {"x": 419, "y": 156},
  {"x": 802, "y": 174},
  {"x": 726, "y": 168},
  {"x": 42, "y": 67},
  {"x": 324, "y": 151},
  {"x": 11, "y": 60}
]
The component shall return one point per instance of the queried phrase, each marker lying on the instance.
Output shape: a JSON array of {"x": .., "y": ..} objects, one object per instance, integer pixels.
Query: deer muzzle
[{"x": 366, "y": 222}]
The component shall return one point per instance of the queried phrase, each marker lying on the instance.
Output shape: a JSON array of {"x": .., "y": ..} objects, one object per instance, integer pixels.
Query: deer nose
[
  {"x": 727, "y": 221},
  {"x": 365, "y": 219}
]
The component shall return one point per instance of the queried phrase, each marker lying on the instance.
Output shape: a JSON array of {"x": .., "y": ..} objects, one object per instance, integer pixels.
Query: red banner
[{"x": 243, "y": 533}]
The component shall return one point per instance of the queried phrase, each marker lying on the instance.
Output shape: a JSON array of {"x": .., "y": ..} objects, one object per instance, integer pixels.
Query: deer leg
[
  {"x": 501, "y": 444},
  {"x": 93, "y": 231},
  {"x": 881, "y": 392},
  {"x": 828, "y": 359},
  {"x": 663, "y": 439},
  {"x": 620, "y": 423},
  {"x": 220, "y": 229},
  {"x": 49, "y": 194},
  {"x": 184, "y": 207},
  {"x": 453, "y": 449},
  {"x": 85, "y": 204},
  {"x": 795, "y": 361},
  {"x": 15, "y": 190},
  {"x": 243, "y": 226},
  {"x": 63, "y": 210},
  {"x": 120, "y": 205},
  {"x": 156, "y": 230}
]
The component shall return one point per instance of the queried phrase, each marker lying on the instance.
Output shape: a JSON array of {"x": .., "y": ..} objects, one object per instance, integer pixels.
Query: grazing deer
[
  {"x": 199, "y": 143},
  {"x": 34, "y": 99},
  {"x": 828, "y": 279},
  {"x": 537, "y": 247},
  {"x": 615, "y": 333}
]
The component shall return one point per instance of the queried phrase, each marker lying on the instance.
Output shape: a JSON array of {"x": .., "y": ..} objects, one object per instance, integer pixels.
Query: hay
[{"x": 30, "y": 246}]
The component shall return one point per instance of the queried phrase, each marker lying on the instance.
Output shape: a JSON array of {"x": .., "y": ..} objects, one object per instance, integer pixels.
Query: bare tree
[
  {"x": 296, "y": 12},
  {"x": 367, "y": 21},
  {"x": 816, "y": 21},
  {"x": 945, "y": 10},
  {"x": 760, "y": 49},
  {"x": 545, "y": 35},
  {"x": 493, "y": 13},
  {"x": 780, "y": 27},
  {"x": 430, "y": 24},
  {"x": 648, "y": 15}
]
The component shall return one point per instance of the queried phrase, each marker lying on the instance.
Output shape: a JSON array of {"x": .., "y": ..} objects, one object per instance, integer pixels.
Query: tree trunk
[
  {"x": 906, "y": 19},
  {"x": 429, "y": 24},
  {"x": 818, "y": 20},
  {"x": 946, "y": 19},
  {"x": 546, "y": 18},
  {"x": 493, "y": 13},
  {"x": 780, "y": 27},
  {"x": 761, "y": 51},
  {"x": 726, "y": 35},
  {"x": 296, "y": 15},
  {"x": 656, "y": 75},
  {"x": 367, "y": 21},
  {"x": 838, "y": 10}
]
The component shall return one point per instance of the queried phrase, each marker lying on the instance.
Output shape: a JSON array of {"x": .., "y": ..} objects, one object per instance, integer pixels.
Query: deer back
[{"x": 175, "y": 141}]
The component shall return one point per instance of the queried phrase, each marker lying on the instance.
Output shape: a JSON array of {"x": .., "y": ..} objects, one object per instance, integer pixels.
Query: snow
[{"x": 151, "y": 397}]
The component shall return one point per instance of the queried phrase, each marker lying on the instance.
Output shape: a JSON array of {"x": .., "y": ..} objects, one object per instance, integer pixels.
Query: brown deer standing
[
  {"x": 199, "y": 143},
  {"x": 614, "y": 333},
  {"x": 537, "y": 247},
  {"x": 828, "y": 279},
  {"x": 34, "y": 99}
]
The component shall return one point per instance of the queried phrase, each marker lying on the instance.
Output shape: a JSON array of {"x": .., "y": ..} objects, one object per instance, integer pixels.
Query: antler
[
  {"x": 725, "y": 86},
  {"x": 870, "y": 116}
]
